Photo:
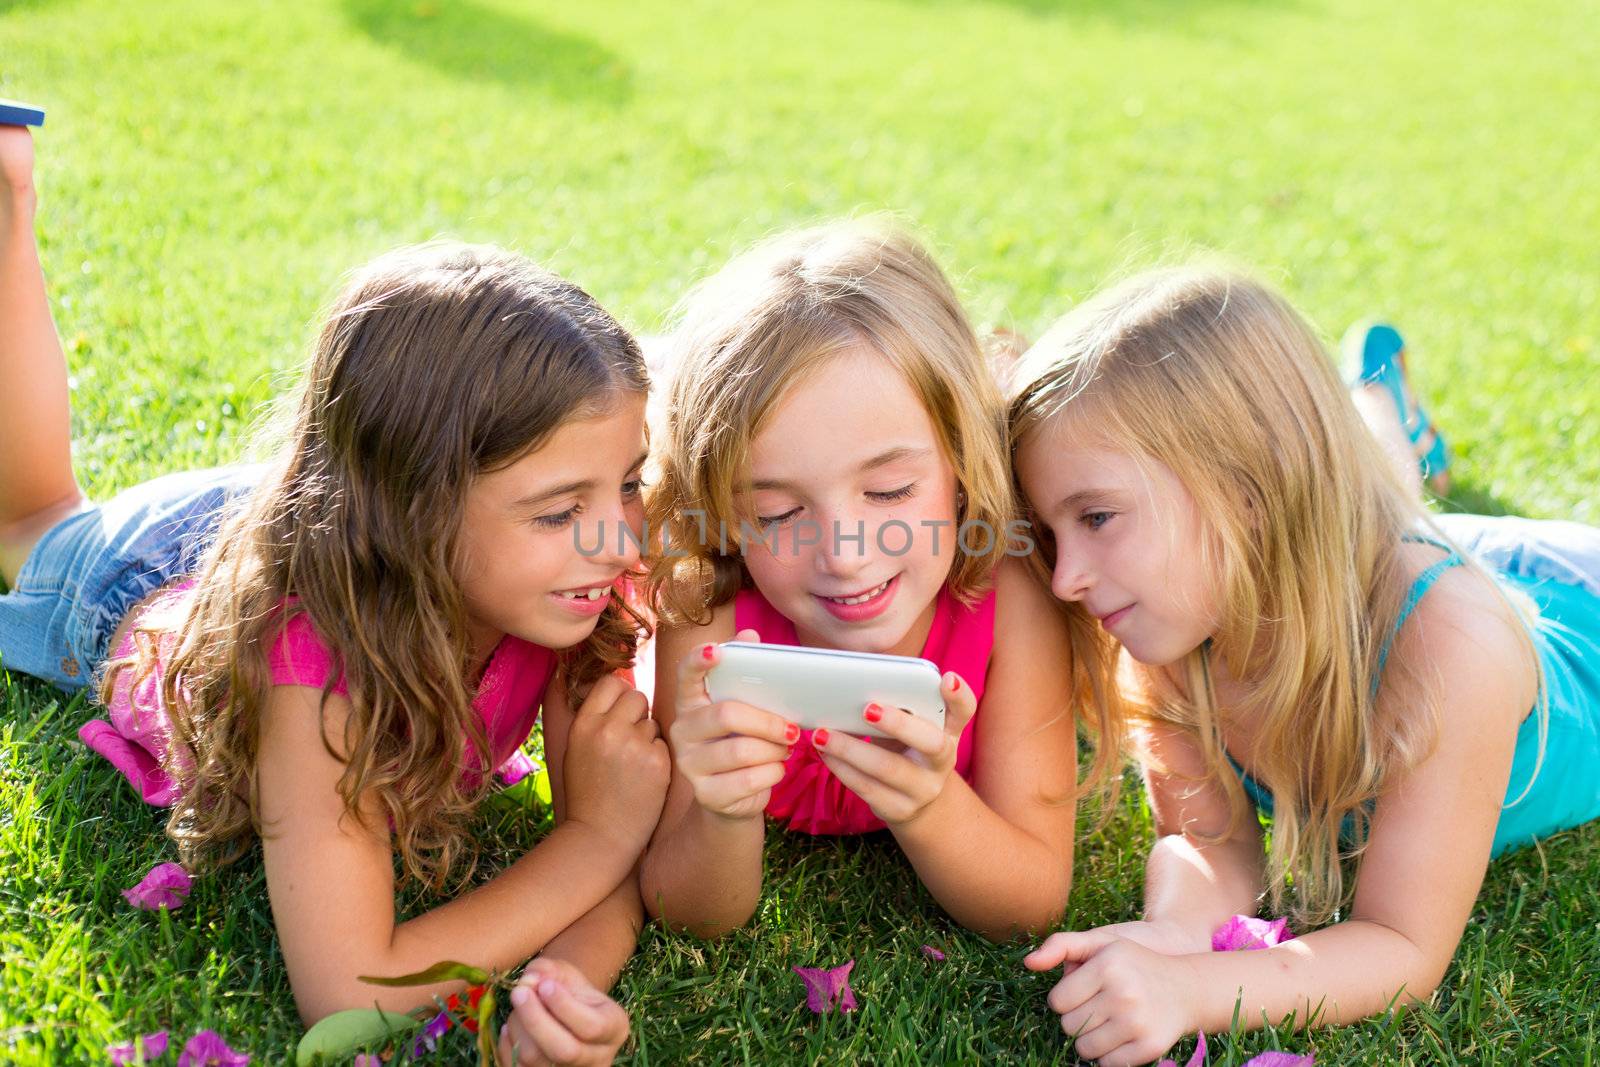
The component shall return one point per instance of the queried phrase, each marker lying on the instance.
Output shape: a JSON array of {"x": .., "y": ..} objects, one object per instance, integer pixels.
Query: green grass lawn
[{"x": 209, "y": 170}]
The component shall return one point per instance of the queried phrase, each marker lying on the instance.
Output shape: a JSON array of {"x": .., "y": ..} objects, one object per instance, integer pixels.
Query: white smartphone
[{"x": 824, "y": 687}]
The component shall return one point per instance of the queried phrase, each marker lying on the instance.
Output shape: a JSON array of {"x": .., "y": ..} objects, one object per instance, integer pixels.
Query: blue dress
[{"x": 1557, "y": 564}]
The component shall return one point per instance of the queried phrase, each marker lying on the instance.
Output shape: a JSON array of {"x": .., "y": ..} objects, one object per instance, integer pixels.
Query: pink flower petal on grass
[
  {"x": 1280, "y": 1059},
  {"x": 516, "y": 768},
  {"x": 166, "y": 886},
  {"x": 207, "y": 1049},
  {"x": 367, "y": 1059},
  {"x": 827, "y": 986},
  {"x": 1246, "y": 932},
  {"x": 933, "y": 954},
  {"x": 153, "y": 1046},
  {"x": 1197, "y": 1060}
]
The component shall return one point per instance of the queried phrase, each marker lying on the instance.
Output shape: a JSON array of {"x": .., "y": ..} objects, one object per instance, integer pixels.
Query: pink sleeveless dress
[
  {"x": 810, "y": 798},
  {"x": 133, "y": 736}
]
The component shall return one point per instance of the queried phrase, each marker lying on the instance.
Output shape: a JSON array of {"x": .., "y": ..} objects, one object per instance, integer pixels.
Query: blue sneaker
[{"x": 1375, "y": 354}]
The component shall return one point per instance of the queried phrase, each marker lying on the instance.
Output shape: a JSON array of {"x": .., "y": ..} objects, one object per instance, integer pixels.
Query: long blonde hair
[
  {"x": 1216, "y": 376},
  {"x": 436, "y": 363},
  {"x": 760, "y": 324}
]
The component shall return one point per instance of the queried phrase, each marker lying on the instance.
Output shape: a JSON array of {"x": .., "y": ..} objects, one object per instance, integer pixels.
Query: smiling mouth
[
  {"x": 585, "y": 594},
  {"x": 860, "y": 598}
]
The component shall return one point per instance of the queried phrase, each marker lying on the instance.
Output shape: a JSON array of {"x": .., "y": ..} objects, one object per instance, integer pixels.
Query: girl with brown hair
[{"x": 334, "y": 652}]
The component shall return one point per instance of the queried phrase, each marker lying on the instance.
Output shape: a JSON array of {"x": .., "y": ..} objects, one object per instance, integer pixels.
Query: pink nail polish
[
  {"x": 820, "y": 738},
  {"x": 708, "y": 652},
  {"x": 873, "y": 713}
]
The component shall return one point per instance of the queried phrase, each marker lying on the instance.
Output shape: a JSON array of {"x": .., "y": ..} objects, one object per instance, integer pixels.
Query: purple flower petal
[
  {"x": 367, "y": 1059},
  {"x": 166, "y": 886},
  {"x": 933, "y": 953},
  {"x": 1246, "y": 932},
  {"x": 1280, "y": 1059},
  {"x": 432, "y": 1031},
  {"x": 207, "y": 1049},
  {"x": 1196, "y": 1060},
  {"x": 152, "y": 1046},
  {"x": 826, "y": 987},
  {"x": 516, "y": 768}
]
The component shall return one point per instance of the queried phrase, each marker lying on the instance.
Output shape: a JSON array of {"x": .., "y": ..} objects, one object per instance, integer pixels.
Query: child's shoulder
[
  {"x": 1028, "y": 620},
  {"x": 1465, "y": 637}
]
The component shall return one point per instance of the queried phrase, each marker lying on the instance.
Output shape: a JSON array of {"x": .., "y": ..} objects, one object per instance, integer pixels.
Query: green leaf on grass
[{"x": 337, "y": 1036}]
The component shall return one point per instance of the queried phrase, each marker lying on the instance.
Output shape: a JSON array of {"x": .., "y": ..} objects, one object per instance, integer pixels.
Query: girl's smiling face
[
  {"x": 523, "y": 572},
  {"x": 1129, "y": 541},
  {"x": 856, "y": 506}
]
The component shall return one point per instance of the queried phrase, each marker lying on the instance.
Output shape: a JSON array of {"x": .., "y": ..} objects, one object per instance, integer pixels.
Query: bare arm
[
  {"x": 702, "y": 870},
  {"x": 601, "y": 942},
  {"x": 997, "y": 854},
  {"x": 1429, "y": 846},
  {"x": 331, "y": 880}
]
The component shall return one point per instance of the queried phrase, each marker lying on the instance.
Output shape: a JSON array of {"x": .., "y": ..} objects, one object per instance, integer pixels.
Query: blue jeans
[{"x": 91, "y": 568}]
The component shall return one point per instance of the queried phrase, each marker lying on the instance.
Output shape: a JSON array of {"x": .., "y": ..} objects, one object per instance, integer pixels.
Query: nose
[
  {"x": 1070, "y": 579},
  {"x": 843, "y": 545},
  {"x": 624, "y": 533}
]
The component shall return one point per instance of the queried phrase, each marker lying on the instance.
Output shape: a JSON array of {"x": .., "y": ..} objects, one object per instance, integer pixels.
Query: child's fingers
[
  {"x": 731, "y": 754},
  {"x": 734, "y": 717},
  {"x": 584, "y": 1011},
  {"x": 606, "y": 692},
  {"x": 721, "y": 792},
  {"x": 694, "y": 667},
  {"x": 879, "y": 797},
  {"x": 960, "y": 703},
  {"x": 1081, "y": 985},
  {"x": 1067, "y": 946},
  {"x": 912, "y": 731},
  {"x": 889, "y": 768},
  {"x": 1103, "y": 1035},
  {"x": 554, "y": 1040}
]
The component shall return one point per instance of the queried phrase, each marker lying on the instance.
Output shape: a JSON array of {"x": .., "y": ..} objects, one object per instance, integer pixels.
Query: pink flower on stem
[
  {"x": 207, "y": 1049},
  {"x": 933, "y": 954},
  {"x": 828, "y": 987},
  {"x": 166, "y": 886},
  {"x": 139, "y": 1050},
  {"x": 1245, "y": 932},
  {"x": 367, "y": 1059}
]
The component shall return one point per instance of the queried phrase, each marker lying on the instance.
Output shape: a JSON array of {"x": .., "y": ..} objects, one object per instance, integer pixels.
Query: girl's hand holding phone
[
  {"x": 731, "y": 753},
  {"x": 899, "y": 785}
]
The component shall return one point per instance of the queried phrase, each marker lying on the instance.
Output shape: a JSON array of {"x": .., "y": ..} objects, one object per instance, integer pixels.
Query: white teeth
[
  {"x": 586, "y": 594},
  {"x": 863, "y": 598}
]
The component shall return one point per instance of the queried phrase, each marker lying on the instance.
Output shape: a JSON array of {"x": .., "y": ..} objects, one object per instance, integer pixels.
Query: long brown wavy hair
[
  {"x": 437, "y": 363},
  {"x": 1214, "y": 374}
]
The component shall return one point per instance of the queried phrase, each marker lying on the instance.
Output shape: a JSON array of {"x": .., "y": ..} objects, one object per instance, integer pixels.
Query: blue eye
[{"x": 1096, "y": 519}]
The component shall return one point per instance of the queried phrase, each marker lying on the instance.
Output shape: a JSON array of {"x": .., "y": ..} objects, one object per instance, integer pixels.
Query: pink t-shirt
[
  {"x": 133, "y": 735},
  {"x": 810, "y": 798}
]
